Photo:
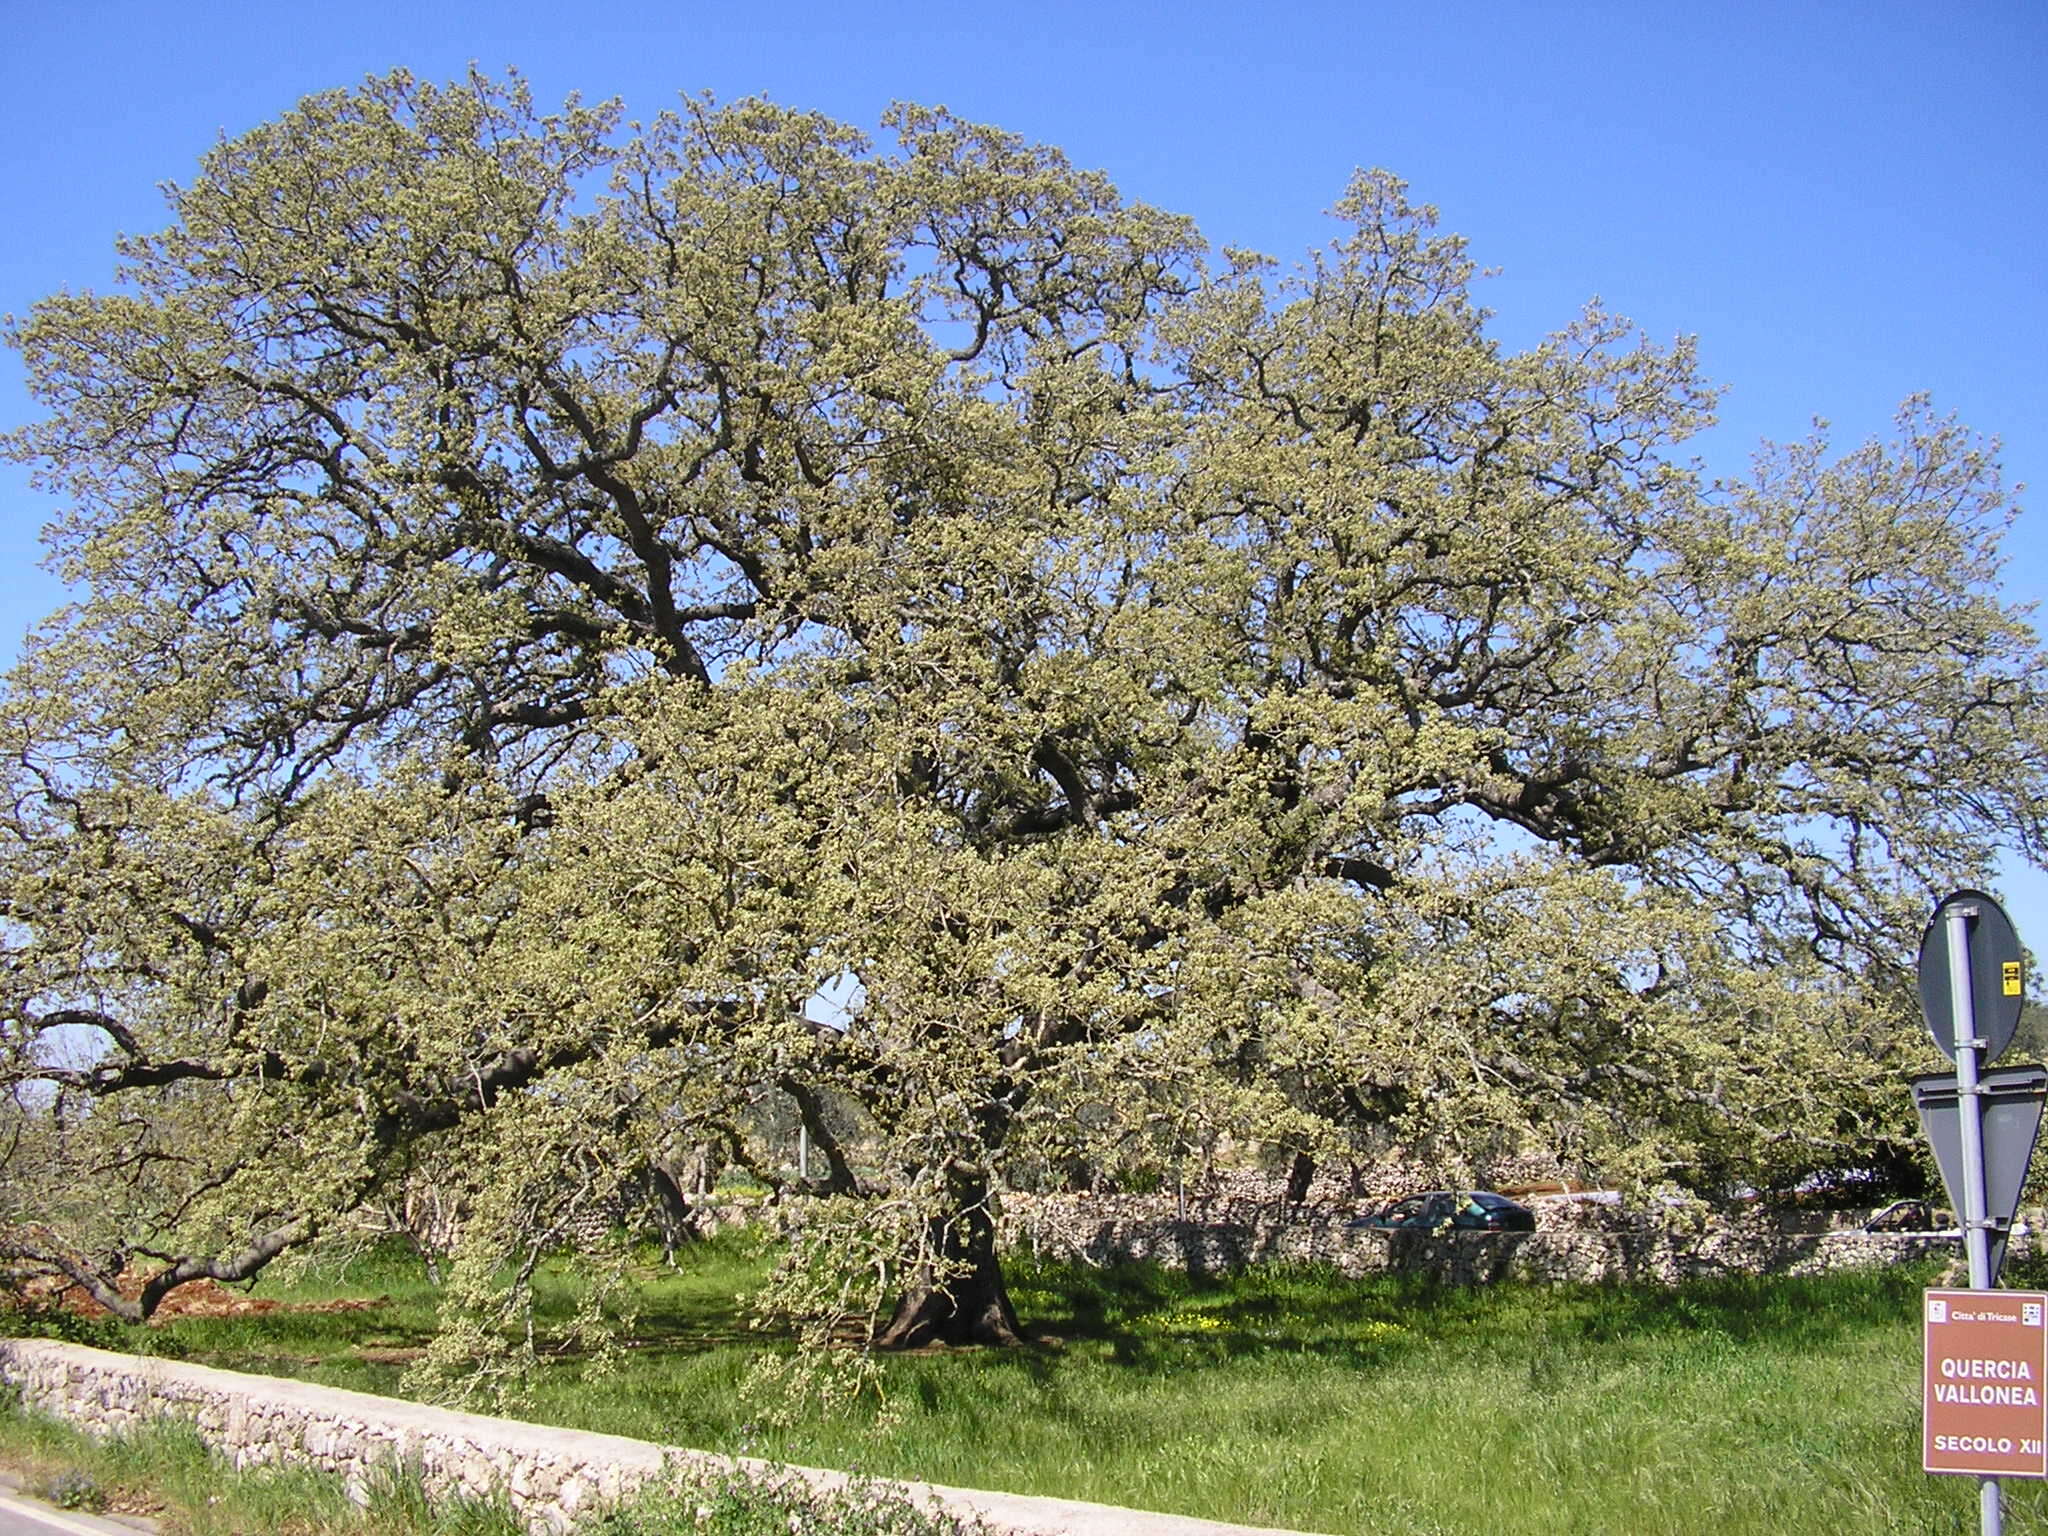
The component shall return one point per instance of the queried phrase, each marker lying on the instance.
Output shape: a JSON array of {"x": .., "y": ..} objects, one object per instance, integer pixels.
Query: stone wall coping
[{"x": 1006, "y": 1514}]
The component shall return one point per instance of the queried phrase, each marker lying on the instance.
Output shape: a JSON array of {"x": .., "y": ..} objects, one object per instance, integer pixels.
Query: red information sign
[{"x": 1986, "y": 1383}]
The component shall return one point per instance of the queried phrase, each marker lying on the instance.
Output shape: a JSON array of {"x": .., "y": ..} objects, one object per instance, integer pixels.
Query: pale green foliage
[
  {"x": 749, "y": 1499},
  {"x": 556, "y": 597}
]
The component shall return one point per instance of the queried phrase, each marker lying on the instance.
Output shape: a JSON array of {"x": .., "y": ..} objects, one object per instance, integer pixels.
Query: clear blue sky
[{"x": 1845, "y": 202}]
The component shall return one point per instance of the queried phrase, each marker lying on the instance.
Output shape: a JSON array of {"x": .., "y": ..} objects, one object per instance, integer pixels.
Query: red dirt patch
[{"x": 202, "y": 1298}]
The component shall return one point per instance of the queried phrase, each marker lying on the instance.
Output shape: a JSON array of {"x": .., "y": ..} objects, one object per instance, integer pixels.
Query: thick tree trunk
[
  {"x": 1300, "y": 1177},
  {"x": 674, "y": 1217},
  {"x": 957, "y": 1295}
]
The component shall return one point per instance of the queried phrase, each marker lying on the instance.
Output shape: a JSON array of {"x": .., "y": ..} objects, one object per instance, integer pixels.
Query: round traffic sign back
[{"x": 1994, "y": 971}]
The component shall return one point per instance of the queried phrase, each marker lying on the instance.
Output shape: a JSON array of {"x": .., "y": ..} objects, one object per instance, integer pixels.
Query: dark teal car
[{"x": 1470, "y": 1210}]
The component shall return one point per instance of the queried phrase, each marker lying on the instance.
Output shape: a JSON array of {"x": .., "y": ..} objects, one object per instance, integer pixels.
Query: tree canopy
[{"x": 556, "y": 595}]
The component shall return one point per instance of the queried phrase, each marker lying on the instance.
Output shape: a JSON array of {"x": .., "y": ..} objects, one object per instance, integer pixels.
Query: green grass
[{"x": 1290, "y": 1397}]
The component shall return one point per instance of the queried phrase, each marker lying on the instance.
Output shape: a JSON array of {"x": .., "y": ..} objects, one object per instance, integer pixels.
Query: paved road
[{"x": 23, "y": 1516}]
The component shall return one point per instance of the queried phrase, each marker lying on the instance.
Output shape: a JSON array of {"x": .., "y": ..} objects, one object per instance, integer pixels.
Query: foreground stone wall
[{"x": 552, "y": 1476}]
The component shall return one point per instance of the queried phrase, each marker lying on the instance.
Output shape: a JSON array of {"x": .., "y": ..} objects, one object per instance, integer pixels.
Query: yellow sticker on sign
[{"x": 2011, "y": 978}]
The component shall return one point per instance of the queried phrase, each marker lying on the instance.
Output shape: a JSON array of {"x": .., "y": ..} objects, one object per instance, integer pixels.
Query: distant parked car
[
  {"x": 1902, "y": 1216},
  {"x": 1471, "y": 1210},
  {"x": 1919, "y": 1218}
]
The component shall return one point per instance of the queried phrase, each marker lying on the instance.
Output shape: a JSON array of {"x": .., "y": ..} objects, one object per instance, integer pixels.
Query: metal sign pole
[{"x": 1976, "y": 1227}]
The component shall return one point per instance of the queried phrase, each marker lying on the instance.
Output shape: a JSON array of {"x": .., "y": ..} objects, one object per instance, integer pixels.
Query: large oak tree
[{"x": 555, "y": 597}]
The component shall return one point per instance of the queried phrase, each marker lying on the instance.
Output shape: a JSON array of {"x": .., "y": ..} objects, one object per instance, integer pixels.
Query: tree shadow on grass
[
  {"x": 1142, "y": 1317},
  {"x": 1153, "y": 1318}
]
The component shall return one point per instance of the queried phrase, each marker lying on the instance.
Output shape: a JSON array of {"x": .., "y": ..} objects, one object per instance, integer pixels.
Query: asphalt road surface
[{"x": 23, "y": 1516}]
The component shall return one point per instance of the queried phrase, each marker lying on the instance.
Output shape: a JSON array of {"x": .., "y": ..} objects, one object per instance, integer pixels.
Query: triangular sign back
[{"x": 2012, "y": 1099}]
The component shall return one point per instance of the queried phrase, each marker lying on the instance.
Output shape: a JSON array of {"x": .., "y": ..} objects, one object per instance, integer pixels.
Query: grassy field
[{"x": 1286, "y": 1397}]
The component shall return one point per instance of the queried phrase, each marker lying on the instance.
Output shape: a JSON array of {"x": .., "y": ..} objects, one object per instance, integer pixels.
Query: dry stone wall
[
  {"x": 1110, "y": 1231},
  {"x": 551, "y": 1476}
]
